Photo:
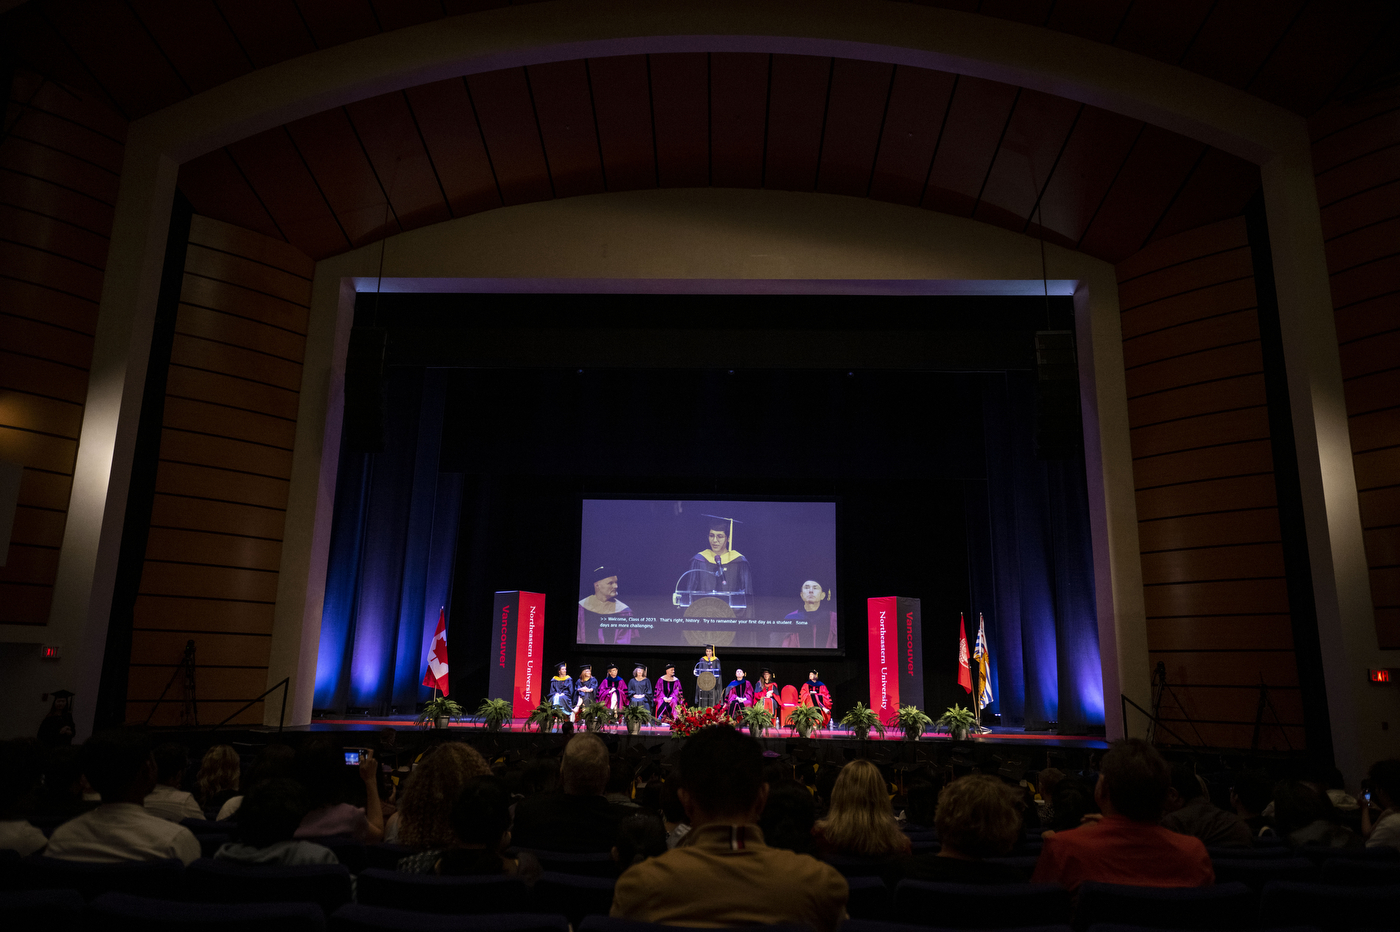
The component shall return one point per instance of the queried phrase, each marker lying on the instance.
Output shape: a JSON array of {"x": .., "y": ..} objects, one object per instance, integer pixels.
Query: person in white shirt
[
  {"x": 167, "y": 800},
  {"x": 1385, "y": 793},
  {"x": 19, "y": 781},
  {"x": 119, "y": 765}
]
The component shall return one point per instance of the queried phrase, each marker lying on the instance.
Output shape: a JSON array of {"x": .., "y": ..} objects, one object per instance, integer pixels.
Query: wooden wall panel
[
  {"x": 215, "y": 540},
  {"x": 1212, "y": 561},
  {"x": 60, "y": 159},
  {"x": 1356, "y": 154}
]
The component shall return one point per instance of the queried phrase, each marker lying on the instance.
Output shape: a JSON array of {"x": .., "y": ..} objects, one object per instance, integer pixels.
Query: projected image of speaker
[
  {"x": 1059, "y": 429},
  {"x": 364, "y": 390}
]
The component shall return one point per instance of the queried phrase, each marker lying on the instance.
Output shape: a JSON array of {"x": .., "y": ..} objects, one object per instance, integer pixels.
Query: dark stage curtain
[
  {"x": 1031, "y": 569},
  {"x": 393, "y": 545}
]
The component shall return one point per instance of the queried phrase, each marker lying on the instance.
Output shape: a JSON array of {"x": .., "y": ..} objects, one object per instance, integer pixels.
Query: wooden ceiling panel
[
  {"x": 445, "y": 117},
  {"x": 1238, "y": 38},
  {"x": 1095, "y": 20},
  {"x": 797, "y": 94},
  {"x": 1163, "y": 29},
  {"x": 738, "y": 94},
  {"x": 216, "y": 188},
  {"x": 196, "y": 39},
  {"x": 387, "y": 131},
  {"x": 281, "y": 179},
  {"x": 1375, "y": 67},
  {"x": 396, "y": 14},
  {"x": 119, "y": 53},
  {"x": 681, "y": 109},
  {"x": 269, "y": 30},
  {"x": 458, "y": 7},
  {"x": 855, "y": 112},
  {"x": 507, "y": 120},
  {"x": 1143, "y": 191},
  {"x": 564, "y": 108},
  {"x": 38, "y": 48},
  {"x": 328, "y": 144},
  {"x": 335, "y": 22},
  {"x": 976, "y": 120},
  {"x": 1097, "y": 147},
  {"x": 1219, "y": 189},
  {"x": 1317, "y": 53},
  {"x": 1033, "y": 141},
  {"x": 918, "y": 104},
  {"x": 622, "y": 107},
  {"x": 1030, "y": 12}
]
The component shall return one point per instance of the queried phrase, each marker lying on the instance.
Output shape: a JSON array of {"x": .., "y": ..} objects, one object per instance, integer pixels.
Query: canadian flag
[
  {"x": 964, "y": 671},
  {"x": 437, "y": 655}
]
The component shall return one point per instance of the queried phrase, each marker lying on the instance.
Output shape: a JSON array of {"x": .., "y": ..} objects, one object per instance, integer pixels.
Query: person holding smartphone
[
  {"x": 321, "y": 769},
  {"x": 1382, "y": 790}
]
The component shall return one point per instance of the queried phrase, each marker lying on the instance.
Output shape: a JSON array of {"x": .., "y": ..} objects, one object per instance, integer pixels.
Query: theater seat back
[{"x": 429, "y": 893}]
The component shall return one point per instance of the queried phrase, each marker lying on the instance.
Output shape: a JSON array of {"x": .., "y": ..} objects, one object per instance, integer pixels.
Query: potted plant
[
  {"x": 545, "y": 716},
  {"x": 635, "y": 716},
  {"x": 757, "y": 718},
  {"x": 804, "y": 719},
  {"x": 912, "y": 721},
  {"x": 439, "y": 711},
  {"x": 861, "y": 719},
  {"x": 693, "y": 718},
  {"x": 495, "y": 713},
  {"x": 594, "y": 715},
  {"x": 958, "y": 721}
]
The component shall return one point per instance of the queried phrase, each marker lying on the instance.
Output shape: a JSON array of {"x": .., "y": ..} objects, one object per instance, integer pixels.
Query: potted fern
[
  {"x": 757, "y": 718},
  {"x": 634, "y": 717},
  {"x": 958, "y": 721},
  {"x": 494, "y": 713},
  {"x": 913, "y": 722},
  {"x": 861, "y": 719},
  {"x": 805, "y": 719},
  {"x": 545, "y": 716},
  {"x": 439, "y": 711},
  {"x": 595, "y": 715}
]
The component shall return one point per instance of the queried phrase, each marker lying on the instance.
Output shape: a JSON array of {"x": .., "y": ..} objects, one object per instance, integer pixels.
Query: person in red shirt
[{"x": 1126, "y": 845}]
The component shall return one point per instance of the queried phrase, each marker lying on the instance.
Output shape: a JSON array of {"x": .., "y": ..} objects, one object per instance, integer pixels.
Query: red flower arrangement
[{"x": 691, "y": 719}]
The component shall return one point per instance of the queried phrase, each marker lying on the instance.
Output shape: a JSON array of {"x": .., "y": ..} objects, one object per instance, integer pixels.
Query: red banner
[
  {"x": 883, "y": 626},
  {"x": 529, "y": 645}
]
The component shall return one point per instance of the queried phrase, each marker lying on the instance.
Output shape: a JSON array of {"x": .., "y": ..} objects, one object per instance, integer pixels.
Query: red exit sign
[{"x": 1379, "y": 676}]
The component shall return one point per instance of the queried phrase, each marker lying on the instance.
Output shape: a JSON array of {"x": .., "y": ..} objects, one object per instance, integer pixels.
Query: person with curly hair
[
  {"x": 860, "y": 822},
  {"x": 978, "y": 817},
  {"x": 430, "y": 791},
  {"x": 217, "y": 781}
]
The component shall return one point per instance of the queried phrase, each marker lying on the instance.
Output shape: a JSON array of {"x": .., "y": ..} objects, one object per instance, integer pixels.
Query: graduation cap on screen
[{"x": 732, "y": 521}]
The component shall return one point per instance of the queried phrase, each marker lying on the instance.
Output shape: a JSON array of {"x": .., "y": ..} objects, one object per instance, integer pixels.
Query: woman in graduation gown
[
  {"x": 814, "y": 692},
  {"x": 585, "y": 687},
  {"x": 668, "y": 695},
  {"x": 562, "y": 692},
  {"x": 612, "y": 689},
  {"x": 738, "y": 695},
  {"x": 639, "y": 687},
  {"x": 707, "y": 672},
  {"x": 767, "y": 693}
]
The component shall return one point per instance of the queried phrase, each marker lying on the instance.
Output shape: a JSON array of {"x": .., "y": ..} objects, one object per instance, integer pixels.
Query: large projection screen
[{"x": 736, "y": 574}]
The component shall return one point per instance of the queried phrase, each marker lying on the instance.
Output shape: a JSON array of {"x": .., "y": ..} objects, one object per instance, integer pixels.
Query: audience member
[
  {"x": 430, "y": 791},
  {"x": 481, "y": 826},
  {"x": 57, "y": 728},
  {"x": 788, "y": 818},
  {"x": 330, "y": 784},
  {"x": 639, "y": 837},
  {"x": 1190, "y": 812},
  {"x": 217, "y": 780},
  {"x": 921, "y": 805},
  {"x": 723, "y": 874},
  {"x": 272, "y": 762},
  {"x": 1384, "y": 780},
  {"x": 65, "y": 793},
  {"x": 20, "y": 775},
  {"x": 978, "y": 817},
  {"x": 1303, "y": 815},
  {"x": 576, "y": 817},
  {"x": 166, "y": 799},
  {"x": 620, "y": 782},
  {"x": 1071, "y": 802},
  {"x": 1127, "y": 845},
  {"x": 1045, "y": 783},
  {"x": 672, "y": 812},
  {"x": 267, "y": 822},
  {"x": 119, "y": 765},
  {"x": 1251, "y": 794},
  {"x": 859, "y": 821}
]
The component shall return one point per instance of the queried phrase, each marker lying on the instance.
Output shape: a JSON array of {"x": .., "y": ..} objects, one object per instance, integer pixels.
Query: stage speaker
[
  {"x": 364, "y": 390},
  {"x": 1059, "y": 429}
]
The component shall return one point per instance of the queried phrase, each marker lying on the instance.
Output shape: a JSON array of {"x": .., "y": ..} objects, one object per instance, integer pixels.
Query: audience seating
[
  {"x": 348, "y": 851},
  {"x": 1223, "y": 906},
  {"x": 1025, "y": 862},
  {"x": 1255, "y": 873},
  {"x": 1113, "y": 927},
  {"x": 119, "y": 912},
  {"x": 573, "y": 896},
  {"x": 429, "y": 893},
  {"x": 10, "y": 866},
  {"x": 607, "y": 924},
  {"x": 139, "y": 878},
  {"x": 387, "y": 856},
  {"x": 327, "y": 885},
  {"x": 41, "y": 909},
  {"x": 1255, "y": 854},
  {"x": 1328, "y": 906},
  {"x": 1319, "y": 853},
  {"x": 588, "y": 864},
  {"x": 869, "y": 898},
  {"x": 981, "y": 906},
  {"x": 355, "y": 918},
  {"x": 210, "y": 844},
  {"x": 1354, "y": 873},
  {"x": 864, "y": 925}
]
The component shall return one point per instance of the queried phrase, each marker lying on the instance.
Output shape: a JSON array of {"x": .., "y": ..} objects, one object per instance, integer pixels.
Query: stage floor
[{"x": 998, "y": 735}]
